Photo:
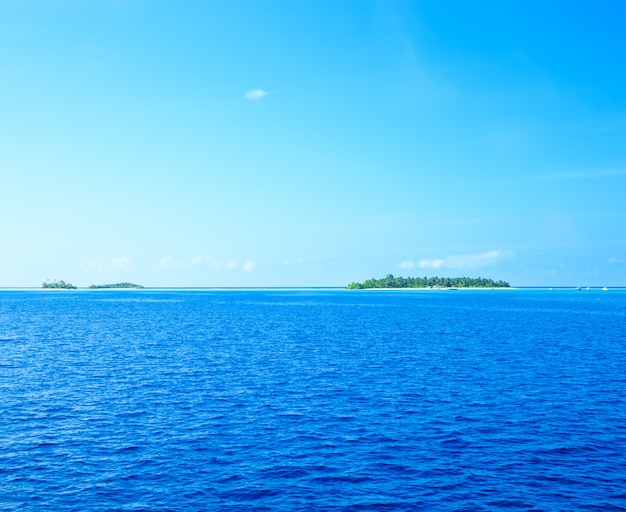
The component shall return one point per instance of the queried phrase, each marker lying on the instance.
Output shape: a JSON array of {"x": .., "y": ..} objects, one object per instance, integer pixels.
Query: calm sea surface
[{"x": 332, "y": 400}]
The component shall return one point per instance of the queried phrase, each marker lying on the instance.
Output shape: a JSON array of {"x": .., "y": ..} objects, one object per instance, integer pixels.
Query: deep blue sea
[{"x": 312, "y": 400}]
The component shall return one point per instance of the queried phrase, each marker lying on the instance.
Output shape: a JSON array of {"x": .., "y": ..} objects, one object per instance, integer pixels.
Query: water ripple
[{"x": 312, "y": 400}]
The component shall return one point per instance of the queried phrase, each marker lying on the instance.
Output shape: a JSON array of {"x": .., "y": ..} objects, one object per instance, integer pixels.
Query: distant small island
[
  {"x": 428, "y": 282},
  {"x": 58, "y": 285},
  {"x": 116, "y": 285}
]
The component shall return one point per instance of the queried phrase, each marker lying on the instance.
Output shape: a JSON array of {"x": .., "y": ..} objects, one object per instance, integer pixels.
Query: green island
[
  {"x": 428, "y": 282},
  {"x": 58, "y": 285},
  {"x": 116, "y": 285}
]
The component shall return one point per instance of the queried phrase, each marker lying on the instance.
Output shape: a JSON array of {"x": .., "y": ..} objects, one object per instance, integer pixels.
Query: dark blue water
[{"x": 312, "y": 400}]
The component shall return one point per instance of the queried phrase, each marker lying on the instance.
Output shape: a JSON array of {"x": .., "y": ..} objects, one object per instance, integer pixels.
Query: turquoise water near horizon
[{"x": 306, "y": 399}]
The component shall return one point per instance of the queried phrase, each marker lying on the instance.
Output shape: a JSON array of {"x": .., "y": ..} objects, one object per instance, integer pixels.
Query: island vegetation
[
  {"x": 58, "y": 285},
  {"x": 428, "y": 282},
  {"x": 116, "y": 285}
]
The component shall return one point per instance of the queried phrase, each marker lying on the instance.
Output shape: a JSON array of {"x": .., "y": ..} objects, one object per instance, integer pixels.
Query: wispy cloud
[
  {"x": 464, "y": 261},
  {"x": 291, "y": 262},
  {"x": 170, "y": 262},
  {"x": 92, "y": 265},
  {"x": 121, "y": 263},
  {"x": 200, "y": 261},
  {"x": 255, "y": 94},
  {"x": 613, "y": 260},
  {"x": 304, "y": 263},
  {"x": 116, "y": 264},
  {"x": 205, "y": 260}
]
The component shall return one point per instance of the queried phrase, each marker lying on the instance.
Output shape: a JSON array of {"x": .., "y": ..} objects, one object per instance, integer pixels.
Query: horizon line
[{"x": 333, "y": 287}]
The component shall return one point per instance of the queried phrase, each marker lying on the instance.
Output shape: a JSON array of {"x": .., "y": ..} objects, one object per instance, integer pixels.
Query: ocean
[{"x": 312, "y": 400}]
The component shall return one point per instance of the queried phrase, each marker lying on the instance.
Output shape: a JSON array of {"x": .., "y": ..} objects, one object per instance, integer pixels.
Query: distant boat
[
  {"x": 588, "y": 288},
  {"x": 605, "y": 288},
  {"x": 578, "y": 288}
]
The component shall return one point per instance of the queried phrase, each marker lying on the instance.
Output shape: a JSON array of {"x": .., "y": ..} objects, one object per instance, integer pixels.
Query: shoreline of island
[{"x": 427, "y": 283}]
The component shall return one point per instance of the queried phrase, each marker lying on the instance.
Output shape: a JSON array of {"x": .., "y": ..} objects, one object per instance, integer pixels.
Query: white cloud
[
  {"x": 291, "y": 263},
  {"x": 121, "y": 263},
  {"x": 198, "y": 261},
  {"x": 92, "y": 265},
  {"x": 465, "y": 261},
  {"x": 255, "y": 95},
  {"x": 205, "y": 260},
  {"x": 166, "y": 262},
  {"x": 169, "y": 262},
  {"x": 613, "y": 259},
  {"x": 433, "y": 263},
  {"x": 116, "y": 264}
]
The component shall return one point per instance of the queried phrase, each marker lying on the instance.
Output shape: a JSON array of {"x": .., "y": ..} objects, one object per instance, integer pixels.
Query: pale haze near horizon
[{"x": 312, "y": 143}]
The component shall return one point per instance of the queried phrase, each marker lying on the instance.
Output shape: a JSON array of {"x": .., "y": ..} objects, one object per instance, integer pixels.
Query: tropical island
[
  {"x": 428, "y": 282},
  {"x": 58, "y": 285},
  {"x": 116, "y": 285}
]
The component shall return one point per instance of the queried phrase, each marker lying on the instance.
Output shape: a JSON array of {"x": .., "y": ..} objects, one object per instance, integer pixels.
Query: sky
[{"x": 312, "y": 142}]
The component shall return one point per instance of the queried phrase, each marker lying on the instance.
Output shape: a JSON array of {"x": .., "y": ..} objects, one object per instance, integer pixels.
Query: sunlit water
[{"x": 312, "y": 400}]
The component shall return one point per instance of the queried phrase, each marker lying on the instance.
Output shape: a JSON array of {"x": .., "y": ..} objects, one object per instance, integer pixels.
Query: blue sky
[{"x": 312, "y": 143}]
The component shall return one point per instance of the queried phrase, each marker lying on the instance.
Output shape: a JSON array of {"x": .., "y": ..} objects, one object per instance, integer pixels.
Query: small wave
[
  {"x": 219, "y": 406},
  {"x": 248, "y": 494}
]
